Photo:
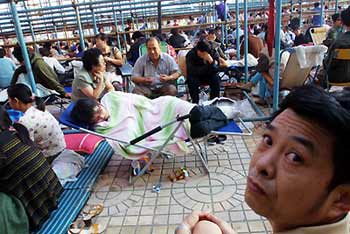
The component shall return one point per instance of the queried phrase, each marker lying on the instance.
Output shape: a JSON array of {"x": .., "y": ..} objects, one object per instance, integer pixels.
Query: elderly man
[
  {"x": 298, "y": 177},
  {"x": 155, "y": 73}
]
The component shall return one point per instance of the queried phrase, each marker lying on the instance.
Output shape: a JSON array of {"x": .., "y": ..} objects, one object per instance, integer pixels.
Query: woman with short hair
[{"x": 91, "y": 81}]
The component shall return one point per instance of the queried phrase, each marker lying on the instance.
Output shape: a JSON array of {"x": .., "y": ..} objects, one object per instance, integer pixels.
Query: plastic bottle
[
  {"x": 136, "y": 168},
  {"x": 181, "y": 86}
]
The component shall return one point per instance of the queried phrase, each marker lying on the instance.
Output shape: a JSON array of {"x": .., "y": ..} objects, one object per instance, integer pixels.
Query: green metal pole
[
  {"x": 237, "y": 31},
  {"x": 123, "y": 28},
  {"x": 30, "y": 23},
  {"x": 80, "y": 28},
  {"x": 159, "y": 6},
  {"x": 300, "y": 14},
  {"x": 336, "y": 6},
  {"x": 322, "y": 12},
  {"x": 94, "y": 20},
  {"x": 116, "y": 26},
  {"x": 246, "y": 40},
  {"x": 22, "y": 43}
]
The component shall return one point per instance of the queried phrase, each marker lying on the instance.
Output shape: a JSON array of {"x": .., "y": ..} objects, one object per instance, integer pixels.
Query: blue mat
[
  {"x": 230, "y": 127},
  {"x": 69, "y": 206},
  {"x": 76, "y": 194}
]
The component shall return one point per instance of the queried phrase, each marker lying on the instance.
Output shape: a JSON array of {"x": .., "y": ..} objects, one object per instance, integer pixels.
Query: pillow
[{"x": 82, "y": 142}]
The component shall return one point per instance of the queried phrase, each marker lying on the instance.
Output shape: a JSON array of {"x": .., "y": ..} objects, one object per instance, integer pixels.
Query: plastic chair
[
  {"x": 344, "y": 56},
  {"x": 163, "y": 48},
  {"x": 318, "y": 35}
]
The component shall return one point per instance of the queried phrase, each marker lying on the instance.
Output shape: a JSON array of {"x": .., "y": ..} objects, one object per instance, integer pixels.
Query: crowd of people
[{"x": 289, "y": 160}]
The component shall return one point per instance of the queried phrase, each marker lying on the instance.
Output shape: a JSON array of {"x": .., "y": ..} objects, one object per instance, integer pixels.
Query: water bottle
[
  {"x": 136, "y": 168},
  {"x": 181, "y": 86}
]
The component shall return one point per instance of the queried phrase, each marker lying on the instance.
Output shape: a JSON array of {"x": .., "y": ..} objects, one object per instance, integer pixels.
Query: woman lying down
[{"x": 126, "y": 116}]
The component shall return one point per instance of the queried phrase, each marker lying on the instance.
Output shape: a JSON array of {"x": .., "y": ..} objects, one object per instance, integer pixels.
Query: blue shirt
[
  {"x": 316, "y": 19},
  {"x": 144, "y": 67},
  {"x": 6, "y": 72}
]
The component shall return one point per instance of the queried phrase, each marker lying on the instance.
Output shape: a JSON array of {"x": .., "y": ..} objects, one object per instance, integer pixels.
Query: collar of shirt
[{"x": 340, "y": 227}]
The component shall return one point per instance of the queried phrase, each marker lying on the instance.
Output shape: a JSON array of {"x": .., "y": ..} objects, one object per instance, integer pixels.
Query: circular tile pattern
[
  {"x": 117, "y": 195},
  {"x": 220, "y": 190}
]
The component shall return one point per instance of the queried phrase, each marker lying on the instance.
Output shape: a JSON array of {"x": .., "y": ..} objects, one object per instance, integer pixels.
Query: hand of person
[
  {"x": 99, "y": 78},
  {"x": 224, "y": 227},
  {"x": 148, "y": 80},
  {"x": 196, "y": 216},
  {"x": 107, "y": 59},
  {"x": 223, "y": 62},
  {"x": 207, "y": 57},
  {"x": 164, "y": 78}
]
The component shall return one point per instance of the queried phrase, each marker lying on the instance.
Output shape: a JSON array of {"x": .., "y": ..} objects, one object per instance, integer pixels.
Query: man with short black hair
[
  {"x": 338, "y": 70},
  {"x": 298, "y": 176},
  {"x": 335, "y": 31},
  {"x": 155, "y": 73},
  {"x": 202, "y": 65}
]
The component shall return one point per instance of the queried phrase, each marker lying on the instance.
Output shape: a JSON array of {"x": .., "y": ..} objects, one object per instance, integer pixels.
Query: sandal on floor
[
  {"x": 93, "y": 211},
  {"x": 76, "y": 227},
  {"x": 96, "y": 229}
]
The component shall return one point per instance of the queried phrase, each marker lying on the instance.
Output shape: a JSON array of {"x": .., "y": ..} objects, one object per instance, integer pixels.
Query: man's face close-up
[
  {"x": 153, "y": 49},
  {"x": 290, "y": 172}
]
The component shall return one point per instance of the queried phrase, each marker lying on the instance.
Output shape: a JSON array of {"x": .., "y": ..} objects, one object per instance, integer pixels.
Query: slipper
[
  {"x": 76, "y": 227},
  {"x": 96, "y": 229},
  {"x": 93, "y": 211}
]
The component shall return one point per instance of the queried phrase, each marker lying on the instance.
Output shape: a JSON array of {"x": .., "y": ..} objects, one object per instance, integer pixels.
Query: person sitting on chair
[
  {"x": 91, "y": 81},
  {"x": 155, "y": 73},
  {"x": 203, "y": 64},
  {"x": 338, "y": 69},
  {"x": 43, "y": 74},
  {"x": 298, "y": 176}
]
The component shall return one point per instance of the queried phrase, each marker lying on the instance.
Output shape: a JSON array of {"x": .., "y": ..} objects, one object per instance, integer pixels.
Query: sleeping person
[{"x": 126, "y": 116}]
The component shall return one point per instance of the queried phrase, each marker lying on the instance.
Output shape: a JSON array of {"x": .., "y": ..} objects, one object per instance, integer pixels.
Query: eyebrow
[
  {"x": 301, "y": 140},
  {"x": 270, "y": 127},
  {"x": 306, "y": 143}
]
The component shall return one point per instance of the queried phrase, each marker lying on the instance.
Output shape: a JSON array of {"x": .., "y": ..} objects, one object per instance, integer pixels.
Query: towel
[
  {"x": 310, "y": 56},
  {"x": 133, "y": 115}
]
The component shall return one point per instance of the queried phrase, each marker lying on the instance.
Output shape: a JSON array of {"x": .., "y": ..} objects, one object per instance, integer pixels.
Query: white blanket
[{"x": 310, "y": 56}]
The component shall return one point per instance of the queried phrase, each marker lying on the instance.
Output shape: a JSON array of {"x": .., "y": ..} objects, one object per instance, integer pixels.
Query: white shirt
[
  {"x": 44, "y": 130},
  {"x": 340, "y": 227},
  {"x": 54, "y": 64}
]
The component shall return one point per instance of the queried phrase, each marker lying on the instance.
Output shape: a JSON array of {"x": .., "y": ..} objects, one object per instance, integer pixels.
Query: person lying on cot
[
  {"x": 299, "y": 177},
  {"x": 126, "y": 116},
  {"x": 29, "y": 188}
]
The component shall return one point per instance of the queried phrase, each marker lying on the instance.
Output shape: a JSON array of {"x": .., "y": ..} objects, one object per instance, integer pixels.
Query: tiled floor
[{"x": 132, "y": 209}]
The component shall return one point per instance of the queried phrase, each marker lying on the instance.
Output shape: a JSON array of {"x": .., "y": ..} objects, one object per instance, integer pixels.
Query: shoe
[
  {"x": 221, "y": 139},
  {"x": 212, "y": 140}
]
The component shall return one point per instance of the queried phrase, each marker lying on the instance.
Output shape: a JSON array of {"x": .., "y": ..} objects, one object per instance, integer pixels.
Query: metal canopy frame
[{"x": 64, "y": 15}]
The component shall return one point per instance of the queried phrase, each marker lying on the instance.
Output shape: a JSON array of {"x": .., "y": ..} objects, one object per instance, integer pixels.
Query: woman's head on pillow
[{"x": 89, "y": 111}]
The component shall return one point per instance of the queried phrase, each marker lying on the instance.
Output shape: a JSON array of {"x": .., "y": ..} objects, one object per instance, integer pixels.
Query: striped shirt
[{"x": 26, "y": 174}]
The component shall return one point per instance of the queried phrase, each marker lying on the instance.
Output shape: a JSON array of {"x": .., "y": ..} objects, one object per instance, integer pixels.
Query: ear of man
[{"x": 340, "y": 198}]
